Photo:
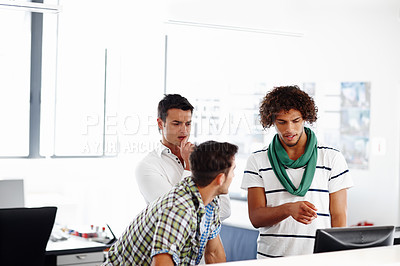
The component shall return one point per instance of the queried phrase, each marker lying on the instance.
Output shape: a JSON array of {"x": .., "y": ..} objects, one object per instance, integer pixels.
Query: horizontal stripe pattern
[
  {"x": 275, "y": 191},
  {"x": 318, "y": 147},
  {"x": 266, "y": 169},
  {"x": 342, "y": 173},
  {"x": 253, "y": 173},
  {"x": 327, "y": 148},
  {"x": 324, "y": 168},
  {"x": 263, "y": 150},
  {"x": 291, "y": 236},
  {"x": 317, "y": 167},
  {"x": 318, "y": 190},
  {"x": 284, "y": 190},
  {"x": 270, "y": 169}
]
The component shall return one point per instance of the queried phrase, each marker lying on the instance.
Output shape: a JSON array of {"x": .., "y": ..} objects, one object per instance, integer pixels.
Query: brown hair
[
  {"x": 172, "y": 101},
  {"x": 210, "y": 159}
]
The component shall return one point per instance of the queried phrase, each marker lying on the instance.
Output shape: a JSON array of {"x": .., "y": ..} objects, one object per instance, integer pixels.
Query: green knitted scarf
[{"x": 279, "y": 159}]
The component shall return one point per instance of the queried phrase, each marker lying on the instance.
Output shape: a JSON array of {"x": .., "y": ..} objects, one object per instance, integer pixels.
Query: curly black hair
[{"x": 285, "y": 98}]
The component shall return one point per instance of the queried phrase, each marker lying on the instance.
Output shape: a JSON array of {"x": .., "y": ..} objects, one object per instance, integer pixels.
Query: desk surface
[
  {"x": 73, "y": 245},
  {"x": 368, "y": 256}
]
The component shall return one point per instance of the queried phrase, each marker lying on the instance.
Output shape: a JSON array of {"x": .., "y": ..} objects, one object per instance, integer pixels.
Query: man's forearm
[
  {"x": 268, "y": 216},
  {"x": 214, "y": 252},
  {"x": 163, "y": 259},
  {"x": 339, "y": 219},
  {"x": 338, "y": 208},
  {"x": 215, "y": 257}
]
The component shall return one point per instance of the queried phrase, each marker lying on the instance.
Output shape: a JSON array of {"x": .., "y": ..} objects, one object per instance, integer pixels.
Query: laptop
[{"x": 12, "y": 193}]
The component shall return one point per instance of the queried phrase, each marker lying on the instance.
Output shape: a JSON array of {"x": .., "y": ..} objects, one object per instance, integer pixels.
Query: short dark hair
[
  {"x": 172, "y": 101},
  {"x": 283, "y": 99},
  {"x": 210, "y": 159}
]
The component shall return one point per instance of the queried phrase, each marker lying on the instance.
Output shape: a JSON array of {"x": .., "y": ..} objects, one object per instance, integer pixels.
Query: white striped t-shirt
[{"x": 290, "y": 237}]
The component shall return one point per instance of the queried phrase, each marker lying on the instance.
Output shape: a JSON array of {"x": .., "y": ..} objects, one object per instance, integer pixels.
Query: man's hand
[
  {"x": 302, "y": 211},
  {"x": 186, "y": 148},
  {"x": 261, "y": 215}
]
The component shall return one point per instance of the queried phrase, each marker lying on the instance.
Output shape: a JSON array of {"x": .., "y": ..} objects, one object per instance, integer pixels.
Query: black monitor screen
[{"x": 343, "y": 238}]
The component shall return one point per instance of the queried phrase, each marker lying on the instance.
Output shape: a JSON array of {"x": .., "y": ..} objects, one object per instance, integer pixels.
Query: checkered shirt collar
[{"x": 197, "y": 200}]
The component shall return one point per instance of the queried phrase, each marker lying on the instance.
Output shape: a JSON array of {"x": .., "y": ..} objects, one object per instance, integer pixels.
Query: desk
[
  {"x": 368, "y": 256},
  {"x": 75, "y": 251}
]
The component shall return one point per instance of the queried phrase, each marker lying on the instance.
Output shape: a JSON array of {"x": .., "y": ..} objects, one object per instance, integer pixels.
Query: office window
[
  {"x": 81, "y": 82},
  {"x": 79, "y": 68},
  {"x": 15, "y": 53},
  {"x": 20, "y": 72}
]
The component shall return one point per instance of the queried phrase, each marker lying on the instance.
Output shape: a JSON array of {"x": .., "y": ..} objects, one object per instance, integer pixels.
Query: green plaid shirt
[{"x": 171, "y": 224}]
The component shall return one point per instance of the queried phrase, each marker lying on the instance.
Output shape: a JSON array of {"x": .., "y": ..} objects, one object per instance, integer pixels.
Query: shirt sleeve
[
  {"x": 215, "y": 226},
  {"x": 225, "y": 207},
  {"x": 251, "y": 175},
  {"x": 340, "y": 175},
  {"x": 152, "y": 184},
  {"x": 171, "y": 233},
  {"x": 215, "y": 232}
]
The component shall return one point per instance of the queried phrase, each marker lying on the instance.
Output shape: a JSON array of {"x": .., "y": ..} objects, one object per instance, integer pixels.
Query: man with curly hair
[{"x": 296, "y": 184}]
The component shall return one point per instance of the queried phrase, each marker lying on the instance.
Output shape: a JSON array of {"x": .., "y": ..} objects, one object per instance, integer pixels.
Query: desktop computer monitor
[
  {"x": 397, "y": 235},
  {"x": 344, "y": 238}
]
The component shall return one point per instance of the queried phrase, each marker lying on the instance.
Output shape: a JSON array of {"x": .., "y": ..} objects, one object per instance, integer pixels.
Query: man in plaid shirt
[{"x": 167, "y": 231}]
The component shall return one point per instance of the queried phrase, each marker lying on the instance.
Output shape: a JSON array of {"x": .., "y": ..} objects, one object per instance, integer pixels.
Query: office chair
[
  {"x": 24, "y": 233},
  {"x": 239, "y": 243}
]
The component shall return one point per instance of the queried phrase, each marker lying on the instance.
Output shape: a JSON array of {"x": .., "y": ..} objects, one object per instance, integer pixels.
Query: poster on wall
[{"x": 355, "y": 122}]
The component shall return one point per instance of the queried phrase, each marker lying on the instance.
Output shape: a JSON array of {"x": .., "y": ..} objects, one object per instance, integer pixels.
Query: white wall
[{"x": 343, "y": 41}]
